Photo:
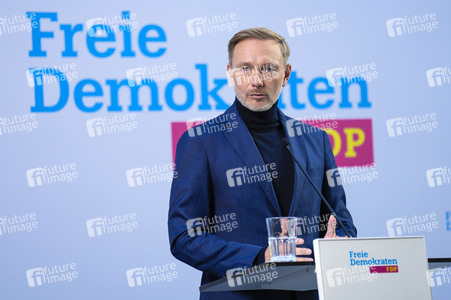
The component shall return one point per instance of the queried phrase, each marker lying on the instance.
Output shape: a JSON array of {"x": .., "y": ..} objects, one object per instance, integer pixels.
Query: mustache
[{"x": 257, "y": 92}]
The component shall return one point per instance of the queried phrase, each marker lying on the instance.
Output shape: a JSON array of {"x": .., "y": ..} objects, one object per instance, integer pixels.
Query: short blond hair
[{"x": 259, "y": 33}]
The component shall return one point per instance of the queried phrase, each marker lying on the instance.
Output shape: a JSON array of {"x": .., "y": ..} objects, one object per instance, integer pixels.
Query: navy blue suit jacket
[{"x": 202, "y": 190}]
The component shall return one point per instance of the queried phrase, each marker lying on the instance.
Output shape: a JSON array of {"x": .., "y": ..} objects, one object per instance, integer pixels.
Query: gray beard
[{"x": 256, "y": 109}]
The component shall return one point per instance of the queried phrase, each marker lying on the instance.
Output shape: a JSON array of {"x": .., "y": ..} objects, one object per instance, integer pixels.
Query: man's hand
[
  {"x": 331, "y": 225},
  {"x": 299, "y": 251}
]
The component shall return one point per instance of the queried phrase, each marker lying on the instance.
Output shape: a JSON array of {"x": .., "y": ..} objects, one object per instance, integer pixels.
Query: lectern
[{"x": 360, "y": 268}]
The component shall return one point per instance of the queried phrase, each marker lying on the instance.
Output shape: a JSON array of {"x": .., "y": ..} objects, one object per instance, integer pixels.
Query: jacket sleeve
[
  {"x": 335, "y": 193},
  {"x": 192, "y": 200}
]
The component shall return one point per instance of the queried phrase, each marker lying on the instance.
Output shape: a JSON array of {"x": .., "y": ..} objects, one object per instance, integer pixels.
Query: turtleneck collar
[{"x": 258, "y": 119}]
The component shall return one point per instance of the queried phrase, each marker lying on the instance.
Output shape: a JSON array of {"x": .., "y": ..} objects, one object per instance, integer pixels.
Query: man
[{"x": 234, "y": 171}]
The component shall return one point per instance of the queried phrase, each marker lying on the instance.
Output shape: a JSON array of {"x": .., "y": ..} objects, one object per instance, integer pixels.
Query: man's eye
[
  {"x": 268, "y": 69},
  {"x": 244, "y": 69}
]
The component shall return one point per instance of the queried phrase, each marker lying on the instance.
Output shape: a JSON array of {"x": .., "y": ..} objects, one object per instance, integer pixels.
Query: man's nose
[{"x": 257, "y": 79}]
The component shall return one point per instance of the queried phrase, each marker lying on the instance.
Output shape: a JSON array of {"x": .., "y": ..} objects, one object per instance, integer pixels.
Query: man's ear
[{"x": 286, "y": 74}]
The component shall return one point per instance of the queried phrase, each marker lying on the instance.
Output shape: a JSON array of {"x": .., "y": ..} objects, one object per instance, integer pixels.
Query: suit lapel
[
  {"x": 244, "y": 145},
  {"x": 294, "y": 134}
]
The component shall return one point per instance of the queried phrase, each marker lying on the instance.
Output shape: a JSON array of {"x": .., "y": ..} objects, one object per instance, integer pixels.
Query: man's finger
[
  {"x": 303, "y": 251},
  {"x": 304, "y": 259},
  {"x": 299, "y": 241},
  {"x": 331, "y": 224}
]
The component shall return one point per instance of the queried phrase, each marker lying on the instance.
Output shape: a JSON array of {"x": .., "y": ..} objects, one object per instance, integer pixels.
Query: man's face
[{"x": 258, "y": 73}]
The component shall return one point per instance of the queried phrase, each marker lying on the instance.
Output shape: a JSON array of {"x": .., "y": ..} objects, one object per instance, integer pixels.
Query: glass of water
[{"x": 282, "y": 238}]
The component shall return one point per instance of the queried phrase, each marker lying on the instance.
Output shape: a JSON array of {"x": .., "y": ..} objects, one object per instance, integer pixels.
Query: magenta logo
[{"x": 351, "y": 139}]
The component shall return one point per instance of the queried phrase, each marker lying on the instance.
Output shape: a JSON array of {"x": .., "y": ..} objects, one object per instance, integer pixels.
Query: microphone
[{"x": 286, "y": 144}]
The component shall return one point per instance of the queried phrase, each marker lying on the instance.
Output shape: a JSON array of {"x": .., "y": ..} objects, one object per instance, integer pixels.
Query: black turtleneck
[{"x": 267, "y": 132}]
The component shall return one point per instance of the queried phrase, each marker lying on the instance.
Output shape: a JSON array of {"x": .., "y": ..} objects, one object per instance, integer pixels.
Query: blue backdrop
[{"x": 90, "y": 92}]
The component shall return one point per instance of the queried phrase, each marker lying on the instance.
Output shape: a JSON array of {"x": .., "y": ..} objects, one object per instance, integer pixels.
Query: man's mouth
[{"x": 257, "y": 95}]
